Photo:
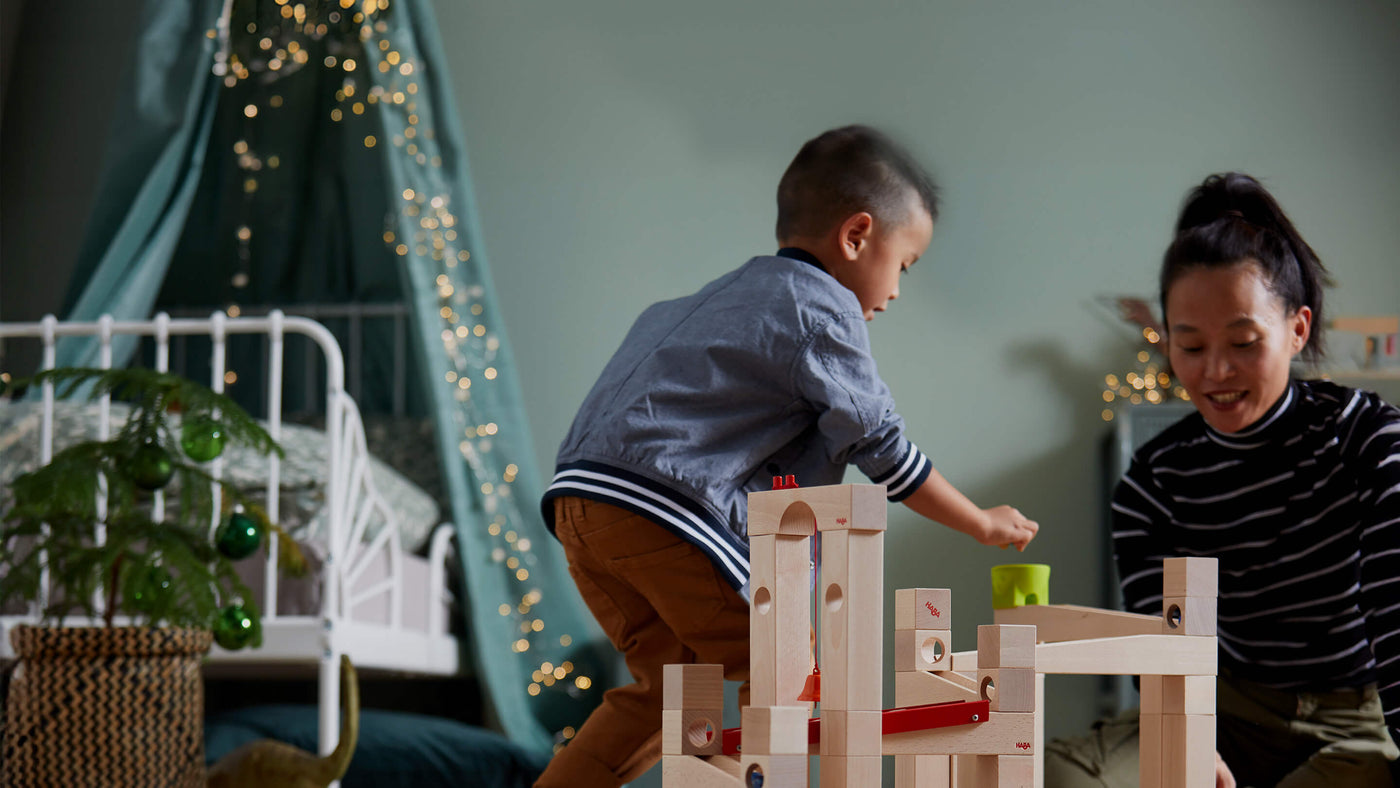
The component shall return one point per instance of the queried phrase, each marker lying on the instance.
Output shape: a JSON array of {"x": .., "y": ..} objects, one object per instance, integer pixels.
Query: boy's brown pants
[{"x": 660, "y": 601}]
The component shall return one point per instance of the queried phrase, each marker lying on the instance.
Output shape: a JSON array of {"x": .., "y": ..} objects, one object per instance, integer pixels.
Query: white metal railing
[{"x": 352, "y": 502}]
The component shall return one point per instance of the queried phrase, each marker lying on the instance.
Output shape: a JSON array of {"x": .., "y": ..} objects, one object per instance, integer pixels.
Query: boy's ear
[{"x": 854, "y": 234}]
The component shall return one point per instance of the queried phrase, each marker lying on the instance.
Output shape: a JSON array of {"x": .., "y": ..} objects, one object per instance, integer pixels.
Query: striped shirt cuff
[{"x": 907, "y": 475}]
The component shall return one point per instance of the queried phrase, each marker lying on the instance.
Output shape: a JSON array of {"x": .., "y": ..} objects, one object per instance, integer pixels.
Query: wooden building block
[
  {"x": 1188, "y": 750},
  {"x": 1190, "y": 577},
  {"x": 923, "y": 771},
  {"x": 852, "y": 647},
  {"x": 774, "y": 730},
  {"x": 1189, "y": 615},
  {"x": 839, "y": 506},
  {"x": 915, "y": 688},
  {"x": 850, "y": 771},
  {"x": 1159, "y": 655},
  {"x": 1149, "y": 750},
  {"x": 923, "y": 649},
  {"x": 695, "y": 686},
  {"x": 851, "y": 732},
  {"x": 1150, "y": 693},
  {"x": 777, "y": 771},
  {"x": 780, "y": 620},
  {"x": 691, "y": 731},
  {"x": 1004, "y": 771},
  {"x": 1039, "y": 740},
  {"x": 1188, "y": 695},
  {"x": 1056, "y": 623},
  {"x": 688, "y": 771},
  {"x": 923, "y": 608},
  {"x": 1007, "y": 689},
  {"x": 729, "y": 764},
  {"x": 1005, "y": 646}
]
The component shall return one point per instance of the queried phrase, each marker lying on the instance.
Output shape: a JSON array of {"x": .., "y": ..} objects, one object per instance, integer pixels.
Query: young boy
[{"x": 764, "y": 372}]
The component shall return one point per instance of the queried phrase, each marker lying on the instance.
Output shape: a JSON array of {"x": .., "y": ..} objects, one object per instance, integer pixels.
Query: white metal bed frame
[{"x": 351, "y": 500}]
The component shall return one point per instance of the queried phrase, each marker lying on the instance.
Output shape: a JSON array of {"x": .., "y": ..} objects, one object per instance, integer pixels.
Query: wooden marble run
[{"x": 970, "y": 719}]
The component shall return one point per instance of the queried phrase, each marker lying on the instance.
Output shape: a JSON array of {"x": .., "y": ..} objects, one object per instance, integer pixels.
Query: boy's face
[{"x": 875, "y": 260}]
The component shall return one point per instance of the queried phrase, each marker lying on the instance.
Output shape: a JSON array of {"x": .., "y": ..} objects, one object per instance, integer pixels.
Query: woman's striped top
[{"x": 1303, "y": 512}]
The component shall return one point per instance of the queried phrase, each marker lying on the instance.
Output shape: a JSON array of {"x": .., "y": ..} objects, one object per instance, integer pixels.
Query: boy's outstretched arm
[{"x": 938, "y": 500}]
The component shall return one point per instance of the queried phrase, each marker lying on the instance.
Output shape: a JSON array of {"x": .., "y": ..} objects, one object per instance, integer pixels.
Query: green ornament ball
[
  {"x": 236, "y": 627},
  {"x": 238, "y": 536},
  {"x": 153, "y": 587},
  {"x": 202, "y": 439},
  {"x": 151, "y": 467}
]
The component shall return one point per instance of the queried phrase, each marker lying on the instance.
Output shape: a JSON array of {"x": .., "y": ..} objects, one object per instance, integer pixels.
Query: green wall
[{"x": 628, "y": 152}]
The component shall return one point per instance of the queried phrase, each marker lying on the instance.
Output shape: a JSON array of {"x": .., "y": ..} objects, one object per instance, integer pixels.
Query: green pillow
[{"x": 394, "y": 749}]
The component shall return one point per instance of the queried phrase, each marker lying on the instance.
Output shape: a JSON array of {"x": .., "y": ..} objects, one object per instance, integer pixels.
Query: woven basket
[{"x": 105, "y": 706}]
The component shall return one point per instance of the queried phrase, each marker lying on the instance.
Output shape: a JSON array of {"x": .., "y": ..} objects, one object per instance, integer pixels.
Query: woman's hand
[{"x": 1223, "y": 777}]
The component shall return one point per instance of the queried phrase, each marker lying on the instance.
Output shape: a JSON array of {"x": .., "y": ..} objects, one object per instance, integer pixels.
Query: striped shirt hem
[{"x": 656, "y": 502}]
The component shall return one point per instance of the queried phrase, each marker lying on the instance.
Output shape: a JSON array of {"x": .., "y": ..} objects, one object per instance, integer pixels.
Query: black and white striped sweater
[{"x": 1302, "y": 510}]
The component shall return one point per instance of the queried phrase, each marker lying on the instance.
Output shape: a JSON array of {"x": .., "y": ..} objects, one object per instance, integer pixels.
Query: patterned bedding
[{"x": 303, "y": 471}]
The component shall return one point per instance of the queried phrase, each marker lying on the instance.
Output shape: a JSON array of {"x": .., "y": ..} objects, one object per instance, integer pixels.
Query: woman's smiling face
[{"x": 1231, "y": 340}]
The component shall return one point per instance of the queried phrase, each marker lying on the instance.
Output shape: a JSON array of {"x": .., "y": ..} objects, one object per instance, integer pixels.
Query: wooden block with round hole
[
  {"x": 1006, "y": 646},
  {"x": 780, "y": 617},
  {"x": 923, "y": 608},
  {"x": 852, "y": 637},
  {"x": 1007, "y": 689},
  {"x": 1190, "y": 577},
  {"x": 695, "y": 686},
  {"x": 923, "y": 649},
  {"x": 691, "y": 732},
  {"x": 776, "y": 771},
  {"x": 1189, "y": 615},
  {"x": 774, "y": 730},
  {"x": 851, "y": 732}
]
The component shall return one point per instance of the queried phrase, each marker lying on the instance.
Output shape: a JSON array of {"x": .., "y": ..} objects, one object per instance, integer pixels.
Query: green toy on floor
[{"x": 267, "y": 763}]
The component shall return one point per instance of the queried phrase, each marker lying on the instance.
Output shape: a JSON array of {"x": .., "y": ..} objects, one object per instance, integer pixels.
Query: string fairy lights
[
  {"x": 371, "y": 83},
  {"x": 1149, "y": 382}
]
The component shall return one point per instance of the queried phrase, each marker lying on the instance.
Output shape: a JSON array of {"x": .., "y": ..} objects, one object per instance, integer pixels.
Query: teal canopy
[{"x": 272, "y": 152}]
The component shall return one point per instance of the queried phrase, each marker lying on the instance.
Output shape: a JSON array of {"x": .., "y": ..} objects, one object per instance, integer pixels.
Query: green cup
[{"x": 1014, "y": 585}]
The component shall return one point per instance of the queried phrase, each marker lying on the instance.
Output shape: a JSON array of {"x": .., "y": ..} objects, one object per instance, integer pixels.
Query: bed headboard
[{"x": 352, "y": 502}]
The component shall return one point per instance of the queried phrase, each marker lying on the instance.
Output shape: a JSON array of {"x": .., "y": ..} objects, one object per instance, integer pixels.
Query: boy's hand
[
  {"x": 938, "y": 500},
  {"x": 1005, "y": 525}
]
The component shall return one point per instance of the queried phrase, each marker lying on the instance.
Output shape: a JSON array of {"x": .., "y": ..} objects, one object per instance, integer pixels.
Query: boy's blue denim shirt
[{"x": 764, "y": 372}]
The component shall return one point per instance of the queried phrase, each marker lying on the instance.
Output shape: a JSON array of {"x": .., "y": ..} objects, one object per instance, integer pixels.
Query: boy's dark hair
[
  {"x": 845, "y": 171},
  {"x": 1231, "y": 218}
]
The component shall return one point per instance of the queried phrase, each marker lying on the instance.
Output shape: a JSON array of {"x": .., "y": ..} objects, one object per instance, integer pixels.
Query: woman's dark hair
[
  {"x": 845, "y": 171},
  {"x": 1231, "y": 218}
]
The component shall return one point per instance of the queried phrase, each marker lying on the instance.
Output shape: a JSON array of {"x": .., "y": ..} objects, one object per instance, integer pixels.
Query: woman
[{"x": 1294, "y": 486}]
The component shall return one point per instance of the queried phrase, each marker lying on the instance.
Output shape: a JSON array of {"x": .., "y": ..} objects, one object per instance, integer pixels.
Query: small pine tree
[{"x": 156, "y": 573}]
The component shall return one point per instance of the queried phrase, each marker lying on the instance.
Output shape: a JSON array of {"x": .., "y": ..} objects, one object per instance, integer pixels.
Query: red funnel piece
[{"x": 812, "y": 690}]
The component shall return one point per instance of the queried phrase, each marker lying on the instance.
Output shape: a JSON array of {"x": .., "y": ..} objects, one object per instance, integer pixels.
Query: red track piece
[{"x": 899, "y": 720}]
